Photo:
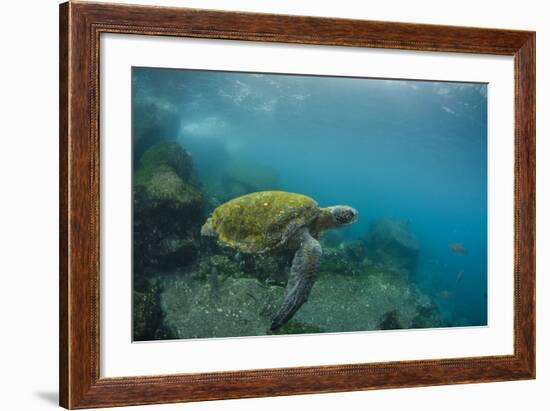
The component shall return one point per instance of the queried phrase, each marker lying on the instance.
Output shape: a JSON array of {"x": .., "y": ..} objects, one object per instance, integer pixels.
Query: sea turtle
[{"x": 269, "y": 220}]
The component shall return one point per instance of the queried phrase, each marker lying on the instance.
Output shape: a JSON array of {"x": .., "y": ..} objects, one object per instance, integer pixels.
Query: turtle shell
[{"x": 262, "y": 221}]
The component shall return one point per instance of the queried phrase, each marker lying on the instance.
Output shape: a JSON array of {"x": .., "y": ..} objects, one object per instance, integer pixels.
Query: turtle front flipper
[{"x": 302, "y": 276}]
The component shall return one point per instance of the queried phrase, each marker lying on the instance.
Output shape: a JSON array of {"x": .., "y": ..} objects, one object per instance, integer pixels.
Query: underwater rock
[
  {"x": 390, "y": 321},
  {"x": 269, "y": 268},
  {"x": 392, "y": 244},
  {"x": 428, "y": 316},
  {"x": 169, "y": 155},
  {"x": 239, "y": 307},
  {"x": 335, "y": 261},
  {"x": 354, "y": 303},
  {"x": 167, "y": 208},
  {"x": 355, "y": 250},
  {"x": 222, "y": 263},
  {"x": 147, "y": 315},
  {"x": 272, "y": 268},
  {"x": 245, "y": 306},
  {"x": 344, "y": 260},
  {"x": 174, "y": 251}
]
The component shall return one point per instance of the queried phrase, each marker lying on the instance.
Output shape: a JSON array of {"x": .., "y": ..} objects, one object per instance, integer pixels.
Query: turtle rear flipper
[{"x": 302, "y": 276}]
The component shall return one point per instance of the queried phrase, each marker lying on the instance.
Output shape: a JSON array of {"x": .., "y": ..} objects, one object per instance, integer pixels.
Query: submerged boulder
[
  {"x": 231, "y": 307},
  {"x": 147, "y": 315},
  {"x": 355, "y": 250},
  {"x": 167, "y": 208},
  {"x": 428, "y": 316},
  {"x": 392, "y": 244},
  {"x": 390, "y": 321},
  {"x": 269, "y": 268},
  {"x": 222, "y": 305},
  {"x": 335, "y": 261},
  {"x": 357, "y": 303}
]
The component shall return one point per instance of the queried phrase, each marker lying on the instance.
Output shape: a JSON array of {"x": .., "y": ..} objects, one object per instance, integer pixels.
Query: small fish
[
  {"x": 443, "y": 294},
  {"x": 459, "y": 276},
  {"x": 457, "y": 248}
]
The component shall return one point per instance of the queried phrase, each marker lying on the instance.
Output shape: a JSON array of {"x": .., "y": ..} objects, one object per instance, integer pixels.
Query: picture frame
[{"x": 80, "y": 381}]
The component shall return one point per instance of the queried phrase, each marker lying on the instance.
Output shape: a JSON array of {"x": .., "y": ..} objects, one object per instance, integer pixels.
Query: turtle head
[{"x": 341, "y": 215}]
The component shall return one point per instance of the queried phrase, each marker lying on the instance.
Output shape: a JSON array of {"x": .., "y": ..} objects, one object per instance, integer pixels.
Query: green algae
[
  {"x": 165, "y": 171},
  {"x": 161, "y": 157},
  {"x": 261, "y": 221},
  {"x": 167, "y": 207}
]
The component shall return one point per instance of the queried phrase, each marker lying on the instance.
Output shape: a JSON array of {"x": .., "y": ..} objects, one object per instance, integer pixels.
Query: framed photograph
[{"x": 258, "y": 205}]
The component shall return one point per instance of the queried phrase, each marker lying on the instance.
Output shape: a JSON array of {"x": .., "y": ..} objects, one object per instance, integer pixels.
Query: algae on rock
[
  {"x": 239, "y": 307},
  {"x": 244, "y": 306},
  {"x": 167, "y": 209},
  {"x": 147, "y": 318}
]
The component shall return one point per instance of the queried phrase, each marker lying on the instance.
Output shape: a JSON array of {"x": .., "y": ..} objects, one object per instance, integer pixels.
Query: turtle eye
[{"x": 345, "y": 216}]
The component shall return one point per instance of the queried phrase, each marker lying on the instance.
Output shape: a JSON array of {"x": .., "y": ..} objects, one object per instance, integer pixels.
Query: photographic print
[
  {"x": 275, "y": 204},
  {"x": 337, "y": 193}
]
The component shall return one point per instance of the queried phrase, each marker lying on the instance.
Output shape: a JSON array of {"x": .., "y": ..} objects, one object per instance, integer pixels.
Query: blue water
[{"x": 411, "y": 150}]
